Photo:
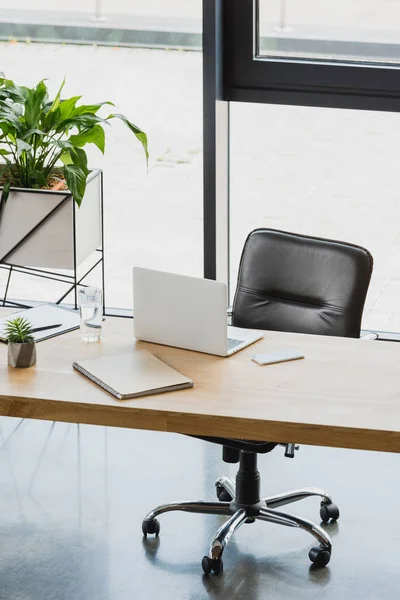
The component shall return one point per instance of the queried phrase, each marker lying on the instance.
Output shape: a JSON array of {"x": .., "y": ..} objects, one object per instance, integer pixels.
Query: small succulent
[{"x": 19, "y": 331}]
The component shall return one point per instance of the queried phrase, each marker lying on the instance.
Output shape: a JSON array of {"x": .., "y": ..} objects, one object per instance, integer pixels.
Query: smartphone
[{"x": 269, "y": 358}]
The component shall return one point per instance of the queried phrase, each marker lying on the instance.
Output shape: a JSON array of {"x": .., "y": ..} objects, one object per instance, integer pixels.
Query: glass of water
[{"x": 90, "y": 310}]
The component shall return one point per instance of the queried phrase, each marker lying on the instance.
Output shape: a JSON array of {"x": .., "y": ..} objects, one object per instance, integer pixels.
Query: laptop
[{"x": 186, "y": 312}]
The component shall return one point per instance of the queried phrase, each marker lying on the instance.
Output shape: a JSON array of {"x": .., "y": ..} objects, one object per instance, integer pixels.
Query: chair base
[{"x": 231, "y": 505}]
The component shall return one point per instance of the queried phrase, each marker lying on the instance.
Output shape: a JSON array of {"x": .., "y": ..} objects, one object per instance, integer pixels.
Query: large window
[
  {"x": 316, "y": 168},
  {"x": 323, "y": 172},
  {"x": 309, "y": 102},
  {"x": 308, "y": 62},
  {"x": 153, "y": 217},
  {"x": 358, "y": 30}
]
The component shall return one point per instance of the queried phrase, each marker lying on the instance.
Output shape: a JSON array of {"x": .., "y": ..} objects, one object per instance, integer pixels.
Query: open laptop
[{"x": 186, "y": 312}]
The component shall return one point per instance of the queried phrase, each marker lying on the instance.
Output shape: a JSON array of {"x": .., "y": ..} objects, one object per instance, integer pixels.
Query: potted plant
[
  {"x": 21, "y": 343},
  {"x": 50, "y": 203}
]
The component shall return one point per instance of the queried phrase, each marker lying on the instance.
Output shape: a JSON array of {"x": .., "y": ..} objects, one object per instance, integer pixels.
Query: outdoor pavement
[
  {"x": 325, "y": 172},
  {"x": 286, "y": 26},
  {"x": 148, "y": 23},
  {"x": 361, "y": 15},
  {"x": 148, "y": 8}
]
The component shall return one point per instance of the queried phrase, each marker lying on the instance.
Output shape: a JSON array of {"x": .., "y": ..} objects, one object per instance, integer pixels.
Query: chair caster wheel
[
  {"x": 329, "y": 512},
  {"x": 212, "y": 564},
  {"x": 319, "y": 555},
  {"x": 150, "y": 527},
  {"x": 222, "y": 494}
]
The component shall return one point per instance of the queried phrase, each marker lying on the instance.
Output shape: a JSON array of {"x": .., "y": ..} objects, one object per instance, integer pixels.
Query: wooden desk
[{"x": 346, "y": 393}]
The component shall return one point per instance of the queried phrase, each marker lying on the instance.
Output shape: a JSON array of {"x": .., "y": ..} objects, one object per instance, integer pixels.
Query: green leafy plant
[
  {"x": 19, "y": 331},
  {"x": 40, "y": 138}
]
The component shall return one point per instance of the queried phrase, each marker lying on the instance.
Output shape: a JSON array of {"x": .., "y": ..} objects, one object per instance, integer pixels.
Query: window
[
  {"x": 266, "y": 65},
  {"x": 324, "y": 172},
  {"x": 152, "y": 217},
  {"x": 356, "y": 31}
]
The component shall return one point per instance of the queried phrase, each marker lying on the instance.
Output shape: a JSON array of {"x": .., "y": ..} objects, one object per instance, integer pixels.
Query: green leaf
[
  {"x": 30, "y": 132},
  {"x": 76, "y": 157},
  {"x": 139, "y": 134},
  {"x": 16, "y": 92},
  {"x": 32, "y": 111},
  {"x": 62, "y": 144},
  {"x": 5, "y": 192},
  {"x": 5, "y": 153},
  {"x": 56, "y": 102},
  {"x": 92, "y": 136},
  {"x": 5, "y": 128},
  {"x": 66, "y": 158},
  {"x": 22, "y": 147},
  {"x": 85, "y": 121},
  {"x": 79, "y": 159},
  {"x": 52, "y": 111},
  {"x": 16, "y": 109},
  {"x": 76, "y": 181},
  {"x": 67, "y": 107},
  {"x": 90, "y": 108},
  {"x": 10, "y": 118},
  {"x": 19, "y": 330},
  {"x": 50, "y": 120},
  {"x": 39, "y": 178},
  {"x": 33, "y": 105},
  {"x": 3, "y": 169},
  {"x": 142, "y": 137}
]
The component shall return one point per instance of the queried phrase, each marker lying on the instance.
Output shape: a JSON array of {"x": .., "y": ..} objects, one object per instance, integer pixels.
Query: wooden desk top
[{"x": 345, "y": 393}]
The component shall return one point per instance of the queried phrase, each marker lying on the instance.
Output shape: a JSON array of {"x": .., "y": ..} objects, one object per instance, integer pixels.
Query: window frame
[{"x": 252, "y": 78}]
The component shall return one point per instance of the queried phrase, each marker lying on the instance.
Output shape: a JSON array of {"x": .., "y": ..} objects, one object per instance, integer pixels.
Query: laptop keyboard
[{"x": 233, "y": 343}]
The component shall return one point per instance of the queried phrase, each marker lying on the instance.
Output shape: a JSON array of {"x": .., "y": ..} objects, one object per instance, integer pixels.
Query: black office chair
[{"x": 286, "y": 282}]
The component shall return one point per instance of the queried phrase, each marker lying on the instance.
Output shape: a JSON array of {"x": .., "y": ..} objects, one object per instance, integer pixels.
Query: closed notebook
[
  {"x": 132, "y": 374},
  {"x": 41, "y": 316}
]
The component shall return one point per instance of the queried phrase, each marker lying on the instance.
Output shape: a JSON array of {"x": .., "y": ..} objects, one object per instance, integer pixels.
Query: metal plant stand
[{"x": 73, "y": 280}]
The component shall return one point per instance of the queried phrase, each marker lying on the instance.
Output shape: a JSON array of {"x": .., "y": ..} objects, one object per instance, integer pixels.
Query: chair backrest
[{"x": 301, "y": 284}]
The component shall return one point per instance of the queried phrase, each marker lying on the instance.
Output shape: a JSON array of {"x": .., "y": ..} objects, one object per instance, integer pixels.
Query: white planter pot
[{"x": 45, "y": 229}]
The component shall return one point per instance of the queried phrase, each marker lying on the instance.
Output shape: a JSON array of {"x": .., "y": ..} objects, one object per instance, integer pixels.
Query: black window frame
[{"x": 252, "y": 78}]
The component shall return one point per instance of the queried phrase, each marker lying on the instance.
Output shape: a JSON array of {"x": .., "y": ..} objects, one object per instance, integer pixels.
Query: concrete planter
[
  {"x": 45, "y": 229},
  {"x": 21, "y": 356}
]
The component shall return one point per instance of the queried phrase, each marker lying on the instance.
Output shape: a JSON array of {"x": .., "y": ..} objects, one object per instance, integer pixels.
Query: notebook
[
  {"x": 43, "y": 315},
  {"x": 132, "y": 374}
]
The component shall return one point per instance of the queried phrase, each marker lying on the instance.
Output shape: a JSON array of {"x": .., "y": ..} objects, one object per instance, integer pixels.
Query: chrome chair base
[{"x": 238, "y": 515}]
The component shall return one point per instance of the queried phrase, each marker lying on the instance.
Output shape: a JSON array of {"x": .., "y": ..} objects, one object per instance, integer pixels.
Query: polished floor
[{"x": 72, "y": 500}]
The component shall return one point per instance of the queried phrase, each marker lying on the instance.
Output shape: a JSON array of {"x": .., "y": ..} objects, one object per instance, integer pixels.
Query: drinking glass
[{"x": 90, "y": 310}]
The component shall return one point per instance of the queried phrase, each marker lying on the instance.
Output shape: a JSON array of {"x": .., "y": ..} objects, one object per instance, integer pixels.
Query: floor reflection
[
  {"x": 46, "y": 563},
  {"x": 72, "y": 500}
]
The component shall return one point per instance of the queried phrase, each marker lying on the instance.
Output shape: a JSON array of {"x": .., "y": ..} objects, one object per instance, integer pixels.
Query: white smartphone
[{"x": 269, "y": 358}]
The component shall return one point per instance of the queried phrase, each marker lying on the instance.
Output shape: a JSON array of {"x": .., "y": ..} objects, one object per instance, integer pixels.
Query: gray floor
[{"x": 72, "y": 500}]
